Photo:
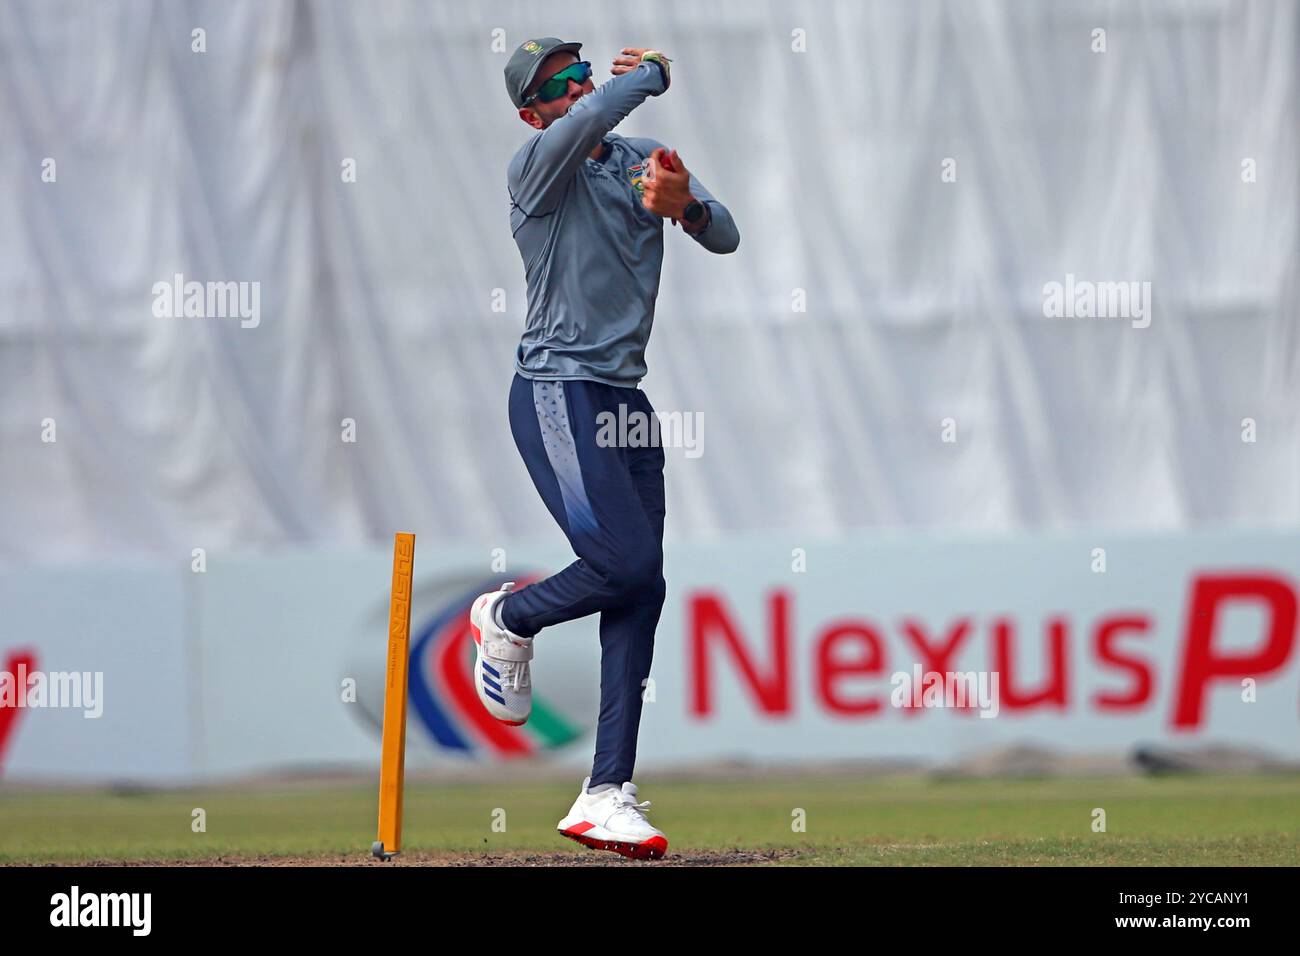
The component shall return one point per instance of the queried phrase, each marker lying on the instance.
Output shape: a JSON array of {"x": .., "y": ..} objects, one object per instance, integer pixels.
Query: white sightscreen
[{"x": 924, "y": 298}]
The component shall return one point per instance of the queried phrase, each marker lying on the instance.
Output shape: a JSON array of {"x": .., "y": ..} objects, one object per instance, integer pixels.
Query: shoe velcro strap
[{"x": 507, "y": 650}]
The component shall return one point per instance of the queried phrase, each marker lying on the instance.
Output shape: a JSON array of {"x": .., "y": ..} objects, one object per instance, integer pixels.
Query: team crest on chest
[{"x": 636, "y": 175}]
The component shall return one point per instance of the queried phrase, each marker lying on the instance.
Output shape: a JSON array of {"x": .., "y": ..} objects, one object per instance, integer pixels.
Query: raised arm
[
  {"x": 720, "y": 234},
  {"x": 540, "y": 173}
]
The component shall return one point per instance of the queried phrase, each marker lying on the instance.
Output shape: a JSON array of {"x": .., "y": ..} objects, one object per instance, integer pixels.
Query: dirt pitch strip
[{"x": 734, "y": 857}]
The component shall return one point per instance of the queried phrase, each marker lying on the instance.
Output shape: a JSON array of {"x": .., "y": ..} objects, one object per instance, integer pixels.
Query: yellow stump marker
[{"x": 392, "y": 768}]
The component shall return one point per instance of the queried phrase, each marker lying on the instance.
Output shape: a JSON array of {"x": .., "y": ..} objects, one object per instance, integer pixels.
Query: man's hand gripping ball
[{"x": 667, "y": 185}]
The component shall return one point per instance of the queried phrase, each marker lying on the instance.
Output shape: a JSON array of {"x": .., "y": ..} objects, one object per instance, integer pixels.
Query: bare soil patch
[{"x": 732, "y": 857}]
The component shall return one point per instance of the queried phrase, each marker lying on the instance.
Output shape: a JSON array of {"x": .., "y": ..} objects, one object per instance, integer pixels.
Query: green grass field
[{"x": 1160, "y": 821}]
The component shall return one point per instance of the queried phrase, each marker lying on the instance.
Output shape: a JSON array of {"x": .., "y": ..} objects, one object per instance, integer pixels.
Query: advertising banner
[{"x": 929, "y": 649}]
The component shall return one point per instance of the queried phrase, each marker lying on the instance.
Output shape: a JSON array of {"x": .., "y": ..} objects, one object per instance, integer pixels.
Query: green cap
[{"x": 522, "y": 68}]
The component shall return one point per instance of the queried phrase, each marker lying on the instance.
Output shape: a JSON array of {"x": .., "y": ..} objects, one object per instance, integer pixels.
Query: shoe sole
[{"x": 652, "y": 849}]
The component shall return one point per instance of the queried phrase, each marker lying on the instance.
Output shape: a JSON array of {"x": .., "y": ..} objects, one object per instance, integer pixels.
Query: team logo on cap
[{"x": 532, "y": 46}]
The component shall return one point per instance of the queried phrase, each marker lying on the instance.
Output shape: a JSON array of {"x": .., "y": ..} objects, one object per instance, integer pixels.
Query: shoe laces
[
  {"x": 625, "y": 805},
  {"x": 515, "y": 674}
]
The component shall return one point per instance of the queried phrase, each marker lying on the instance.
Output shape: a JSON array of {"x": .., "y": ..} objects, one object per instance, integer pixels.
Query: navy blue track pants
[{"x": 610, "y": 503}]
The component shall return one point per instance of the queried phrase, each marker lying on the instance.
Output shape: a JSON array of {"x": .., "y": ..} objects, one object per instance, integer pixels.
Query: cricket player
[{"x": 587, "y": 209}]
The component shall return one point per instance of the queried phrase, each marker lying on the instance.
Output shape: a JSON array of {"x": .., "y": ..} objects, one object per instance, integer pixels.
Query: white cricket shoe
[
  {"x": 501, "y": 675},
  {"x": 613, "y": 820}
]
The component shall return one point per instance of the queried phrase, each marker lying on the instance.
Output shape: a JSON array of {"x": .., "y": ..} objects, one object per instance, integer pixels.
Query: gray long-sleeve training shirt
[{"x": 592, "y": 252}]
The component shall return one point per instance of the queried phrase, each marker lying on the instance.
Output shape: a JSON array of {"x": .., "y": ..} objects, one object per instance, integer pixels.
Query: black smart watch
[{"x": 693, "y": 212}]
